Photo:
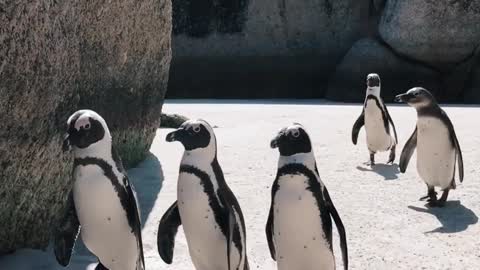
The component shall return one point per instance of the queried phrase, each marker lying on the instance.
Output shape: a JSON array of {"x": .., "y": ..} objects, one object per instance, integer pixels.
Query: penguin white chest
[
  {"x": 104, "y": 225},
  {"x": 435, "y": 152},
  {"x": 377, "y": 137},
  {"x": 298, "y": 233},
  {"x": 206, "y": 242}
]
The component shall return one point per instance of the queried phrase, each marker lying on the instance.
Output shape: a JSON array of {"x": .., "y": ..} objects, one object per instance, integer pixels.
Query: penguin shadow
[
  {"x": 147, "y": 179},
  {"x": 389, "y": 172},
  {"x": 454, "y": 217}
]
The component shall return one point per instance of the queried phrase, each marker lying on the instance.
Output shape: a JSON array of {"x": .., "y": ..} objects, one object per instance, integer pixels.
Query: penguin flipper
[
  {"x": 66, "y": 233},
  {"x": 455, "y": 143},
  {"x": 459, "y": 159},
  {"x": 407, "y": 151},
  {"x": 167, "y": 230},
  {"x": 134, "y": 213},
  {"x": 392, "y": 124},
  {"x": 269, "y": 231},
  {"x": 231, "y": 221},
  {"x": 357, "y": 126},
  {"x": 231, "y": 228},
  {"x": 340, "y": 228}
]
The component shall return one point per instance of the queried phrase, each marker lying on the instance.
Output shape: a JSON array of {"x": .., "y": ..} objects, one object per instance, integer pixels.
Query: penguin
[
  {"x": 377, "y": 122},
  {"x": 102, "y": 204},
  {"x": 206, "y": 207},
  {"x": 299, "y": 224},
  {"x": 437, "y": 145}
]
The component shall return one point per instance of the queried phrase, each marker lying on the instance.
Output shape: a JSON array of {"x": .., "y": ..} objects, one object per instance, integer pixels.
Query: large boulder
[
  {"x": 440, "y": 33},
  {"x": 262, "y": 48},
  {"x": 57, "y": 57},
  {"x": 371, "y": 56},
  {"x": 472, "y": 91}
]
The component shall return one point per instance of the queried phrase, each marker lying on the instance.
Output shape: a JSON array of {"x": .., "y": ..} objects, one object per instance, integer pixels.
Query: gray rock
[
  {"x": 440, "y": 32},
  {"x": 276, "y": 46},
  {"x": 472, "y": 91},
  {"x": 172, "y": 120},
  {"x": 57, "y": 57},
  {"x": 370, "y": 56}
]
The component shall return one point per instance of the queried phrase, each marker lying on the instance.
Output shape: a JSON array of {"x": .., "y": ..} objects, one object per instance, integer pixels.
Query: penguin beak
[
  {"x": 176, "y": 135},
  {"x": 402, "y": 98},
  {"x": 171, "y": 136},
  {"x": 66, "y": 146},
  {"x": 275, "y": 141}
]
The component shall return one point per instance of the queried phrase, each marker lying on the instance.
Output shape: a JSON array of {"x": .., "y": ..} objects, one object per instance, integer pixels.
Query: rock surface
[
  {"x": 275, "y": 46},
  {"x": 472, "y": 92},
  {"x": 440, "y": 32},
  {"x": 387, "y": 226},
  {"x": 172, "y": 120},
  {"x": 55, "y": 58},
  {"x": 370, "y": 56}
]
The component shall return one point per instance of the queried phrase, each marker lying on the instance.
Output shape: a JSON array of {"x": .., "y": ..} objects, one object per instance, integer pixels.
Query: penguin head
[
  {"x": 417, "y": 97},
  {"x": 86, "y": 129},
  {"x": 194, "y": 135},
  {"x": 292, "y": 140},
  {"x": 373, "y": 84}
]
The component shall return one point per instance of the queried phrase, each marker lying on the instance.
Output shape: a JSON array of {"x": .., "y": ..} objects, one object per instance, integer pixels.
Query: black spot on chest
[{"x": 313, "y": 185}]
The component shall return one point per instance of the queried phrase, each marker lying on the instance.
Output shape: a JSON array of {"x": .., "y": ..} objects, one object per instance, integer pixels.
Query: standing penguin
[
  {"x": 102, "y": 203},
  {"x": 437, "y": 145},
  {"x": 299, "y": 226},
  {"x": 377, "y": 122},
  {"x": 206, "y": 207}
]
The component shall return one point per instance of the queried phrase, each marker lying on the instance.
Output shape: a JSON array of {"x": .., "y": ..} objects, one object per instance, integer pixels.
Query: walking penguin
[
  {"x": 299, "y": 225},
  {"x": 377, "y": 122},
  {"x": 437, "y": 145},
  {"x": 102, "y": 203},
  {"x": 206, "y": 207}
]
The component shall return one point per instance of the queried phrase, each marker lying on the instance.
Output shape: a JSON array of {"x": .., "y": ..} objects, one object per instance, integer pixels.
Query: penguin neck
[
  {"x": 307, "y": 159},
  {"x": 101, "y": 149},
  {"x": 373, "y": 91},
  {"x": 426, "y": 109},
  {"x": 200, "y": 157}
]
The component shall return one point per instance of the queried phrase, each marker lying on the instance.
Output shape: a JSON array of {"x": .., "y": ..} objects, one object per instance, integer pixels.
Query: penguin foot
[
  {"x": 436, "y": 203},
  {"x": 429, "y": 197},
  {"x": 372, "y": 159},
  {"x": 391, "y": 158}
]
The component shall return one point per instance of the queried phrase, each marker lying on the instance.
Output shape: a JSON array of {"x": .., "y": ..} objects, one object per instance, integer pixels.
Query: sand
[{"x": 387, "y": 226}]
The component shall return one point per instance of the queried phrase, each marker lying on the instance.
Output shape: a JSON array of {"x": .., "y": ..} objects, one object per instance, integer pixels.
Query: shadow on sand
[
  {"x": 389, "y": 172},
  {"x": 147, "y": 178},
  {"x": 454, "y": 217}
]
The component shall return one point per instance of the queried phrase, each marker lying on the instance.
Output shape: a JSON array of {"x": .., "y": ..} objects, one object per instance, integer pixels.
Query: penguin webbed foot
[
  {"x": 436, "y": 203},
  {"x": 429, "y": 197},
  {"x": 391, "y": 158},
  {"x": 372, "y": 159}
]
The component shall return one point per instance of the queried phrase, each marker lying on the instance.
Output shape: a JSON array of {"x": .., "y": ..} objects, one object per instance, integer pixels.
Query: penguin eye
[
  {"x": 196, "y": 129},
  {"x": 295, "y": 133},
  {"x": 87, "y": 126}
]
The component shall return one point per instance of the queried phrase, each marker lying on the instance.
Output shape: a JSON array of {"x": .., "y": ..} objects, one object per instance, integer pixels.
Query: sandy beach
[{"x": 387, "y": 226}]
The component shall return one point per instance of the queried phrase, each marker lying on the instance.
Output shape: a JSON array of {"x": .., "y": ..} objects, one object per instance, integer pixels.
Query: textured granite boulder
[
  {"x": 437, "y": 32},
  {"x": 370, "y": 56},
  {"x": 262, "y": 48},
  {"x": 472, "y": 89},
  {"x": 172, "y": 120},
  {"x": 57, "y": 57}
]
